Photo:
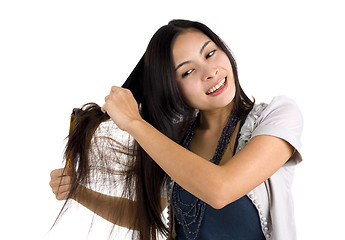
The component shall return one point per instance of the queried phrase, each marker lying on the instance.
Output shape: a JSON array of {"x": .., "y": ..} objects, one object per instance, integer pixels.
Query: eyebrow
[{"x": 201, "y": 50}]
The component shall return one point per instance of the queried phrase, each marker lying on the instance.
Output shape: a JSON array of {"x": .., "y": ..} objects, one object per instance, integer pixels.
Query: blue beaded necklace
[{"x": 192, "y": 214}]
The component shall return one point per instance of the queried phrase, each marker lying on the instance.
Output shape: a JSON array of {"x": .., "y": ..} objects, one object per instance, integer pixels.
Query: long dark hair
[{"x": 154, "y": 86}]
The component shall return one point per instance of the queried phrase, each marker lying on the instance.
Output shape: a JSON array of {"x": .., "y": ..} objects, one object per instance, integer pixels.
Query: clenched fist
[
  {"x": 61, "y": 182},
  {"x": 122, "y": 107}
]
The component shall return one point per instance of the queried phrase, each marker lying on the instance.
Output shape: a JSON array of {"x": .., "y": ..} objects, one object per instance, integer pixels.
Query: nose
[{"x": 210, "y": 72}]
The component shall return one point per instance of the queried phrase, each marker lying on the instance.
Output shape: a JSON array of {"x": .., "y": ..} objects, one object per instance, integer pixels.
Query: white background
[{"x": 57, "y": 55}]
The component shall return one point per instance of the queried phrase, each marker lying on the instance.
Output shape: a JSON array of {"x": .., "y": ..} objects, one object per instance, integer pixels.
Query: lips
[{"x": 216, "y": 87}]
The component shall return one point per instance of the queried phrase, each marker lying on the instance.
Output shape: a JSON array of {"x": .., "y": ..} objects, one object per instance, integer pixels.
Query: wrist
[
  {"x": 135, "y": 126},
  {"x": 78, "y": 195}
]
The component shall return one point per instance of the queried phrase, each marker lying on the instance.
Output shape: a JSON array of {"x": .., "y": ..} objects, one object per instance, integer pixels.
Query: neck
[{"x": 215, "y": 120}]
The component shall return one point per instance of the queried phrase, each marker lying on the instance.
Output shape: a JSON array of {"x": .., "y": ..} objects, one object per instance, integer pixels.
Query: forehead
[{"x": 188, "y": 42}]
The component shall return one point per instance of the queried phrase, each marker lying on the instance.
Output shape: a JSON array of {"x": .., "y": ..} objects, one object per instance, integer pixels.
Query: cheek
[
  {"x": 232, "y": 87},
  {"x": 226, "y": 62},
  {"x": 187, "y": 91}
]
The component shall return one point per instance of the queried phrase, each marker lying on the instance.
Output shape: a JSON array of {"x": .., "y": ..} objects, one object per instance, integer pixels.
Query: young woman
[{"x": 222, "y": 164}]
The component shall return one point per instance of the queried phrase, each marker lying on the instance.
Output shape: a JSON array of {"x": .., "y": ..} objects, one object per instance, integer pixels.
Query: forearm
[
  {"x": 119, "y": 211},
  {"x": 217, "y": 185},
  {"x": 186, "y": 168}
]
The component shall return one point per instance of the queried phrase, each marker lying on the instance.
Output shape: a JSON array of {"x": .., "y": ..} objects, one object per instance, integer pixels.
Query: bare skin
[
  {"x": 216, "y": 185},
  {"x": 102, "y": 205},
  {"x": 200, "y": 68}
]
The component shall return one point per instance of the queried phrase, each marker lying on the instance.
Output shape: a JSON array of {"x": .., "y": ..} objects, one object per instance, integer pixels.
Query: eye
[
  {"x": 185, "y": 74},
  {"x": 210, "y": 54}
]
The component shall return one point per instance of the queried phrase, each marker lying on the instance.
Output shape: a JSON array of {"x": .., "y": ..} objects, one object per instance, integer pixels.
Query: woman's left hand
[{"x": 121, "y": 107}]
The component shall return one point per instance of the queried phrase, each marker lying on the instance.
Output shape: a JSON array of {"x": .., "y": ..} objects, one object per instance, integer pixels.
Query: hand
[
  {"x": 121, "y": 107},
  {"x": 61, "y": 182}
]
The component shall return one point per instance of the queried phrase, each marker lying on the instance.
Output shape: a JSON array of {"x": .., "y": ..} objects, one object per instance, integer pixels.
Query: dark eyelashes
[
  {"x": 187, "y": 73},
  {"x": 210, "y": 54}
]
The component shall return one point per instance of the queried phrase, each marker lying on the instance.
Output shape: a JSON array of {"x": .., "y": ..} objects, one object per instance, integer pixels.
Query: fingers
[
  {"x": 116, "y": 91},
  {"x": 121, "y": 107},
  {"x": 113, "y": 91},
  {"x": 62, "y": 196},
  {"x": 62, "y": 192},
  {"x": 61, "y": 172},
  {"x": 61, "y": 182},
  {"x": 103, "y": 108}
]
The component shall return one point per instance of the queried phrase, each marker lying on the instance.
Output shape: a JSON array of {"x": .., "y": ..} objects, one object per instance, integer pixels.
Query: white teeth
[{"x": 215, "y": 88}]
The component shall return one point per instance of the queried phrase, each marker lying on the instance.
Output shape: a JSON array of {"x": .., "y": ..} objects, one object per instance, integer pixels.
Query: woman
[{"x": 221, "y": 164}]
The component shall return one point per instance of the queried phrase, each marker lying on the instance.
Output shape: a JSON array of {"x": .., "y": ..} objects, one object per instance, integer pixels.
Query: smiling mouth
[{"x": 217, "y": 87}]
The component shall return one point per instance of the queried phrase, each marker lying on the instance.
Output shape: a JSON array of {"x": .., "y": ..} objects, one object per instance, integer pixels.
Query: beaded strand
[{"x": 196, "y": 209}]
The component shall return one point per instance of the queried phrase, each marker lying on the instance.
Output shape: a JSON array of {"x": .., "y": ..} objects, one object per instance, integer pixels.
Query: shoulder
[
  {"x": 281, "y": 118},
  {"x": 282, "y": 111}
]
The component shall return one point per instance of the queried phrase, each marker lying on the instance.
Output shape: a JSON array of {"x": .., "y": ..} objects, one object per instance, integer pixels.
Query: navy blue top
[{"x": 238, "y": 220}]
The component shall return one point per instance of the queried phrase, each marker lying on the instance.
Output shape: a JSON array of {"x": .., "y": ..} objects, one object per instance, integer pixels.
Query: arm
[
  {"x": 119, "y": 211},
  {"x": 215, "y": 185}
]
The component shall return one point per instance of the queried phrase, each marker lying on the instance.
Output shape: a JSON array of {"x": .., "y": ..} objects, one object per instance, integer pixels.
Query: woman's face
[{"x": 203, "y": 71}]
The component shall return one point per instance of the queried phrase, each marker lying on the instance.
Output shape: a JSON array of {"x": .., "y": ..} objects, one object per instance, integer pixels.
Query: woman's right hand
[{"x": 61, "y": 182}]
